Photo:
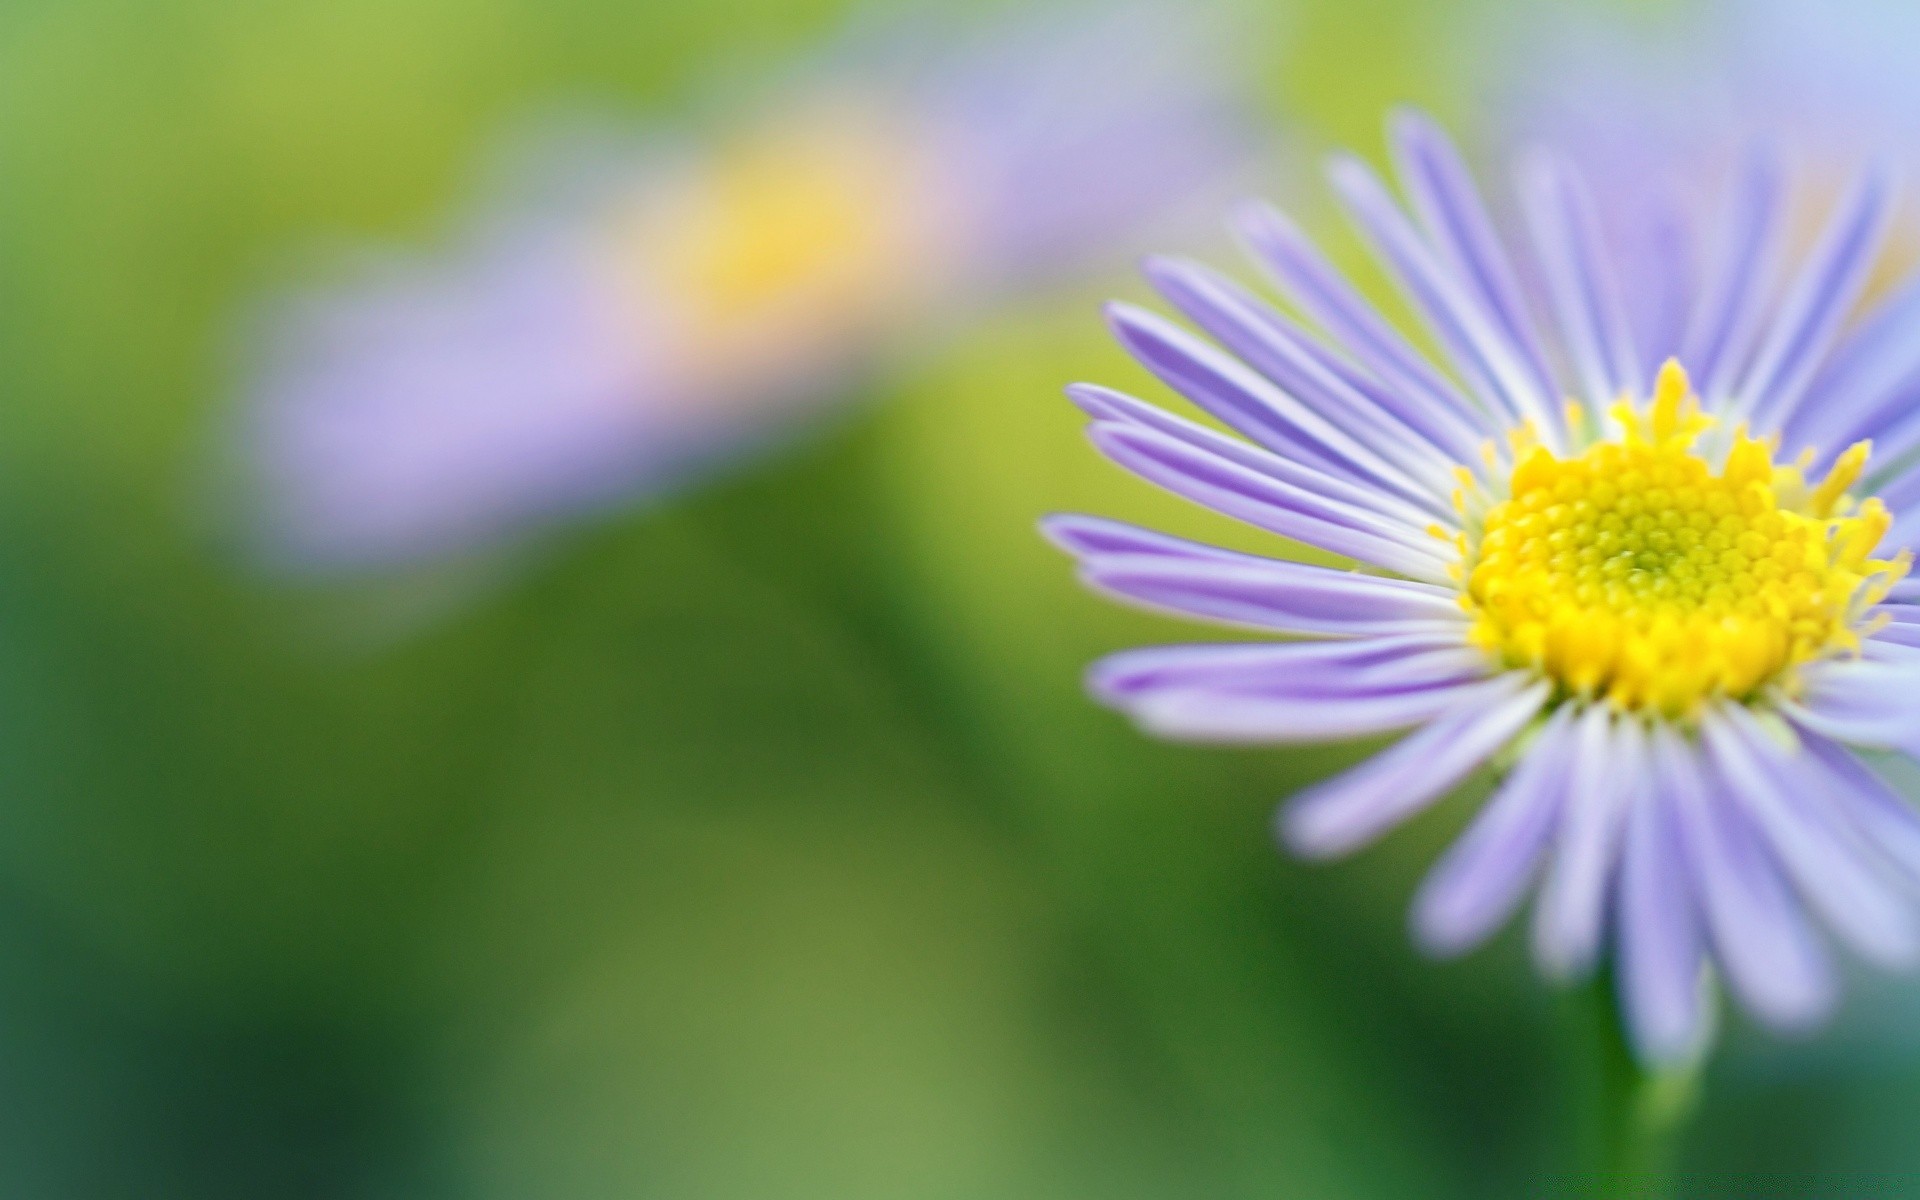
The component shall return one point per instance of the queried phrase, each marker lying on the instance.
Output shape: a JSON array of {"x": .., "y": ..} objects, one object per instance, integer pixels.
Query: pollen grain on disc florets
[{"x": 1653, "y": 572}]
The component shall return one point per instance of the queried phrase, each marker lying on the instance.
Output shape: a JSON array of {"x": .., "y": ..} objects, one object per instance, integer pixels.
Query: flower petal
[
  {"x": 1483, "y": 876},
  {"x": 1290, "y": 668},
  {"x": 1090, "y": 538},
  {"x": 1728, "y": 318},
  {"x": 1773, "y": 961},
  {"x": 1287, "y": 355},
  {"x": 1479, "y": 348},
  {"x": 1580, "y": 282},
  {"x": 1821, "y": 297},
  {"x": 1106, "y": 404},
  {"x": 1284, "y": 597},
  {"x": 1864, "y": 702},
  {"x": 1210, "y": 714},
  {"x": 1838, "y": 879},
  {"x": 1455, "y": 220},
  {"x": 1261, "y": 500},
  {"x": 1881, "y": 818},
  {"x": 1350, "y": 810},
  {"x": 1267, "y": 593},
  {"x": 1227, "y": 389},
  {"x": 1661, "y": 947},
  {"x": 1311, "y": 282},
  {"x": 1607, "y": 770},
  {"x": 1867, "y": 384}
]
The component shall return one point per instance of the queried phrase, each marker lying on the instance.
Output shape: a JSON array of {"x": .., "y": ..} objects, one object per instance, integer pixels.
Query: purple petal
[
  {"x": 1728, "y": 319},
  {"x": 1106, "y": 404},
  {"x": 1312, "y": 283},
  {"x": 1661, "y": 948},
  {"x": 1863, "y": 702},
  {"x": 1905, "y": 635},
  {"x": 1443, "y": 194},
  {"x": 1484, "y": 875},
  {"x": 1281, "y": 508},
  {"x": 1470, "y": 334},
  {"x": 1212, "y": 714},
  {"x": 1867, "y": 384},
  {"x": 439, "y": 409},
  {"x": 1835, "y": 878},
  {"x": 1362, "y": 665},
  {"x": 1880, "y": 817},
  {"x": 1581, "y": 283},
  {"x": 1093, "y": 537},
  {"x": 1820, "y": 299},
  {"x": 1773, "y": 962},
  {"x": 1607, "y": 770},
  {"x": 1226, "y": 388},
  {"x": 1070, "y": 129},
  {"x": 1285, "y": 597},
  {"x": 1659, "y": 276},
  {"x": 1350, "y": 810},
  {"x": 1285, "y": 354}
]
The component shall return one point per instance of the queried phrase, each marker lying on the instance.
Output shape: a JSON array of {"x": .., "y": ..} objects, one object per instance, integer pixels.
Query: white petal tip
[
  {"x": 1306, "y": 831},
  {"x": 1442, "y": 927},
  {"x": 1799, "y": 1012}
]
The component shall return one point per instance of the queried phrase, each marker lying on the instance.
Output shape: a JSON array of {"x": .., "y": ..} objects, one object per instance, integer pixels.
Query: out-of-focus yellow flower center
[
  {"x": 820, "y": 215},
  {"x": 1637, "y": 571}
]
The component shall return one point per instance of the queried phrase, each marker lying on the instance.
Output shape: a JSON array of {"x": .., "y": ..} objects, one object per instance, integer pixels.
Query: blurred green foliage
[{"x": 762, "y": 846}]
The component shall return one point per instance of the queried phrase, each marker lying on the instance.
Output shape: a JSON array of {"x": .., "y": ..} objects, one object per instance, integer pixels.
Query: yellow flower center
[
  {"x": 822, "y": 216},
  {"x": 1656, "y": 574}
]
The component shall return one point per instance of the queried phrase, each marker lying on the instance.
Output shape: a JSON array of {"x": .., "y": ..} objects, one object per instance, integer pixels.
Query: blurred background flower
[
  {"x": 672, "y": 302},
  {"x": 761, "y": 844}
]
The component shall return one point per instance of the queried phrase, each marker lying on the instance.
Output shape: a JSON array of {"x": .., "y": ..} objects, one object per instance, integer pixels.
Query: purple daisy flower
[
  {"x": 705, "y": 295},
  {"x": 1655, "y": 567}
]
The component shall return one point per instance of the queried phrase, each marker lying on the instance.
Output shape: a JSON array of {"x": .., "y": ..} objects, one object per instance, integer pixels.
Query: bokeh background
[{"x": 755, "y": 843}]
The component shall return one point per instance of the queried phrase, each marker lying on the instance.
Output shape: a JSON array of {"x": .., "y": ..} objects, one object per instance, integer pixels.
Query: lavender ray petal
[
  {"x": 1285, "y": 354},
  {"x": 1838, "y": 881},
  {"x": 1480, "y": 351},
  {"x": 1443, "y": 194},
  {"x": 434, "y": 410},
  {"x": 1324, "y": 295},
  {"x": 1881, "y": 817},
  {"x": 1863, "y": 703},
  {"x": 1317, "y": 668},
  {"x": 1741, "y": 276},
  {"x": 1350, "y": 810},
  {"x": 1285, "y": 597},
  {"x": 1236, "y": 395},
  {"x": 1580, "y": 281},
  {"x": 1096, "y": 537},
  {"x": 1480, "y": 881},
  {"x": 1773, "y": 962},
  {"x": 1659, "y": 277},
  {"x": 1106, "y": 404},
  {"x": 1270, "y": 504},
  {"x": 1607, "y": 768},
  {"x": 1212, "y": 714},
  {"x": 1868, "y": 381},
  {"x": 1820, "y": 299},
  {"x": 1661, "y": 948},
  {"x": 1899, "y": 612},
  {"x": 1905, "y": 635}
]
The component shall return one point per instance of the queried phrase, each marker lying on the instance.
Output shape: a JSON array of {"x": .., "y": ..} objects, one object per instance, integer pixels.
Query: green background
[{"x": 761, "y": 845}]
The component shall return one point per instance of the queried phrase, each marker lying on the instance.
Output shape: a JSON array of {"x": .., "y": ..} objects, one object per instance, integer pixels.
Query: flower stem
[{"x": 1631, "y": 1117}]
